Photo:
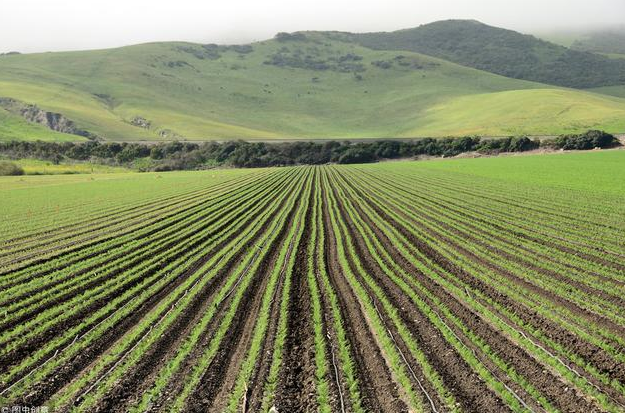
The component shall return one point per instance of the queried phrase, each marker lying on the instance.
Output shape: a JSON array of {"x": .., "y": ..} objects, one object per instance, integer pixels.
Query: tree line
[{"x": 168, "y": 156}]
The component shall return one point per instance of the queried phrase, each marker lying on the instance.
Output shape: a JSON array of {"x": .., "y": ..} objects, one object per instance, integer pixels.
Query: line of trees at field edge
[{"x": 188, "y": 156}]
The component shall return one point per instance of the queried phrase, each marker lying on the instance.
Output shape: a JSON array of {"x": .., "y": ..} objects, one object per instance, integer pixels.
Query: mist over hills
[
  {"x": 610, "y": 42},
  {"x": 447, "y": 78},
  {"x": 505, "y": 52}
]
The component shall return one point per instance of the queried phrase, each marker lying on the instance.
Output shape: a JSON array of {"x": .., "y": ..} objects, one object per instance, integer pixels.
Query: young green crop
[{"x": 448, "y": 285}]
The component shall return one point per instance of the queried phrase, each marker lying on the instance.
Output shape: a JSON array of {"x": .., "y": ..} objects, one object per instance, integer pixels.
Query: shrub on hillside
[
  {"x": 290, "y": 37},
  {"x": 514, "y": 144},
  {"x": 10, "y": 169},
  {"x": 589, "y": 140},
  {"x": 522, "y": 144},
  {"x": 358, "y": 154},
  {"x": 241, "y": 48},
  {"x": 382, "y": 64}
]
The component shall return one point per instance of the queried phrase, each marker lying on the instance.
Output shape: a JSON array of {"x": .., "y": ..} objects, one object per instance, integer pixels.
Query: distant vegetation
[
  {"x": 188, "y": 156},
  {"x": 503, "y": 52},
  {"x": 66, "y": 166},
  {"x": 589, "y": 140},
  {"x": 10, "y": 169},
  {"x": 310, "y": 59},
  {"x": 609, "y": 42},
  {"x": 291, "y": 37},
  {"x": 213, "y": 51}
]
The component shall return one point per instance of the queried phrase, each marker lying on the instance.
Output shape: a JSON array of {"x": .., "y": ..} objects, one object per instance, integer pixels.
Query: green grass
[
  {"x": 39, "y": 167},
  {"x": 64, "y": 191},
  {"x": 238, "y": 96},
  {"x": 618, "y": 91},
  {"x": 598, "y": 172},
  {"x": 542, "y": 111}
]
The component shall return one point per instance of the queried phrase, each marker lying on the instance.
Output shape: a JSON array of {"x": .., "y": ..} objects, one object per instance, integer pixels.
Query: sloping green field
[
  {"x": 185, "y": 92},
  {"x": 543, "y": 111},
  {"x": 13, "y": 127},
  {"x": 618, "y": 91}
]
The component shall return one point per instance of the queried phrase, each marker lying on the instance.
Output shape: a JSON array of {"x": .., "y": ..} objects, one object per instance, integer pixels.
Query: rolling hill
[
  {"x": 323, "y": 85},
  {"x": 505, "y": 52},
  {"x": 610, "y": 42}
]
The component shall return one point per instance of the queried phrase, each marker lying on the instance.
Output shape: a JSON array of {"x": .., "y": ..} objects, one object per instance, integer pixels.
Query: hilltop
[{"x": 504, "y": 52}]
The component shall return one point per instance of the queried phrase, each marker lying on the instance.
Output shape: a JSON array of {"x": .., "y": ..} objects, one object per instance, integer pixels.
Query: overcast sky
[{"x": 46, "y": 25}]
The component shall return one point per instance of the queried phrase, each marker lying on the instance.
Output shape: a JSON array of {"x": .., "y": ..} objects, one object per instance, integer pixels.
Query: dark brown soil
[
  {"x": 454, "y": 328},
  {"x": 469, "y": 390},
  {"x": 46, "y": 387},
  {"x": 549, "y": 385},
  {"x": 379, "y": 390},
  {"x": 221, "y": 373},
  {"x": 296, "y": 390}
]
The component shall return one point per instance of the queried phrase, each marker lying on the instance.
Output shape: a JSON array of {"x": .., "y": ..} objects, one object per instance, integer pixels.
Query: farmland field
[{"x": 481, "y": 285}]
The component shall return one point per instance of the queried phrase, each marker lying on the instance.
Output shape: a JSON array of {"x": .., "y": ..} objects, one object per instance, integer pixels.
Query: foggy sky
[{"x": 45, "y": 25}]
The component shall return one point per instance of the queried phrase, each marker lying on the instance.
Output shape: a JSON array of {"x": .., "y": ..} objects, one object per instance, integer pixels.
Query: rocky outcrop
[
  {"x": 168, "y": 134},
  {"x": 141, "y": 122},
  {"x": 51, "y": 120}
]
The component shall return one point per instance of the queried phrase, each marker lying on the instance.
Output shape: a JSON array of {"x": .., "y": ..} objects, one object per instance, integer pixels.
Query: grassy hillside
[
  {"x": 545, "y": 111},
  {"x": 306, "y": 85},
  {"x": 504, "y": 52},
  {"x": 618, "y": 91},
  {"x": 14, "y": 127}
]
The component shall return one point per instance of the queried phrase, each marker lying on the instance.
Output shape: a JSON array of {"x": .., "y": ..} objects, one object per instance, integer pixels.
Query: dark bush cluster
[
  {"x": 10, "y": 169},
  {"x": 405, "y": 63},
  {"x": 311, "y": 60},
  {"x": 515, "y": 144},
  {"x": 240, "y": 48},
  {"x": 382, "y": 64},
  {"x": 290, "y": 37},
  {"x": 176, "y": 155},
  {"x": 213, "y": 51},
  {"x": 297, "y": 61},
  {"x": 589, "y": 140},
  {"x": 111, "y": 152},
  {"x": 207, "y": 51},
  {"x": 177, "y": 63}
]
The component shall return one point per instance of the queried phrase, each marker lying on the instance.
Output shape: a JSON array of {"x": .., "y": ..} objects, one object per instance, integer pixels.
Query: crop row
[{"x": 328, "y": 288}]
